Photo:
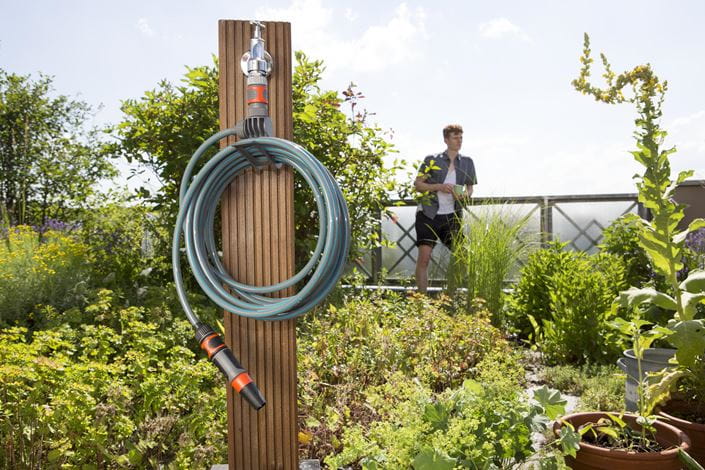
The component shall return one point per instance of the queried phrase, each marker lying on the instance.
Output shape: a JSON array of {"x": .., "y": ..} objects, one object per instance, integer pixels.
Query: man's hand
[
  {"x": 463, "y": 198},
  {"x": 445, "y": 188}
]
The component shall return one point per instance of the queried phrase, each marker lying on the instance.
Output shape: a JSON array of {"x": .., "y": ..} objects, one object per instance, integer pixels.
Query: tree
[
  {"x": 350, "y": 147},
  {"x": 165, "y": 126},
  {"x": 50, "y": 162}
]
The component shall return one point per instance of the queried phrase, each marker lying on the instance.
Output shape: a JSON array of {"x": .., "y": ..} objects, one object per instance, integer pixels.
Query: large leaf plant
[{"x": 661, "y": 237}]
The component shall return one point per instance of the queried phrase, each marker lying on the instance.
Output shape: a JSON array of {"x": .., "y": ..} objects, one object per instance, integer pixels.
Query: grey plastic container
[{"x": 655, "y": 360}]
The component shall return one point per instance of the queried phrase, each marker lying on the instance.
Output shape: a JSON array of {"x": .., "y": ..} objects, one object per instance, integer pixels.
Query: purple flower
[
  {"x": 56, "y": 226},
  {"x": 696, "y": 241}
]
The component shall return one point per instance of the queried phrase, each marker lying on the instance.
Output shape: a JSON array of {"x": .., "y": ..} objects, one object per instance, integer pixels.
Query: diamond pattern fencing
[{"x": 578, "y": 220}]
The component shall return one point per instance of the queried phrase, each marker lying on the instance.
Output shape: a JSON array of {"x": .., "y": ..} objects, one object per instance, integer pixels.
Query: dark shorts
[{"x": 443, "y": 227}]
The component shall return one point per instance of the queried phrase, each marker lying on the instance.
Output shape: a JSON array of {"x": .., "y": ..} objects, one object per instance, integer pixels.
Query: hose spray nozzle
[{"x": 225, "y": 360}]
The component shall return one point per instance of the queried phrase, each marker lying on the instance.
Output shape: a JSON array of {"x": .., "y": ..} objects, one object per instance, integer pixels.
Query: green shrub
[
  {"x": 566, "y": 297},
  {"x": 119, "y": 391},
  {"x": 621, "y": 238},
  {"x": 581, "y": 294},
  {"x": 52, "y": 269},
  {"x": 531, "y": 294},
  {"x": 344, "y": 350},
  {"x": 481, "y": 424}
]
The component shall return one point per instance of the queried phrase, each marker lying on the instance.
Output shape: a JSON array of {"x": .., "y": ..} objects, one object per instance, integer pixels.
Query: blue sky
[{"x": 501, "y": 69}]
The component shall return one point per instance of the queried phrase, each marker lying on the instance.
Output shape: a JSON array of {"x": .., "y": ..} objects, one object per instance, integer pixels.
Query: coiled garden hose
[{"x": 198, "y": 198}]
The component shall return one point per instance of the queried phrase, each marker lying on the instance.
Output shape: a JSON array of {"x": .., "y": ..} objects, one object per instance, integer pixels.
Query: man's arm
[{"x": 421, "y": 185}]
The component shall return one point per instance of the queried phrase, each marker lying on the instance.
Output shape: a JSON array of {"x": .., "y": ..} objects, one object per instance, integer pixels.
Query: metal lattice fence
[{"x": 577, "y": 220}]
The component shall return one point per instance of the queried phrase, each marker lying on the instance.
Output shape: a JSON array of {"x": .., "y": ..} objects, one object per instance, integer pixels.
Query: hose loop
[{"x": 198, "y": 198}]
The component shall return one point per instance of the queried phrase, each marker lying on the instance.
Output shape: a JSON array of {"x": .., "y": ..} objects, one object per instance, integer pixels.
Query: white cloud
[
  {"x": 144, "y": 28},
  {"x": 685, "y": 121},
  {"x": 397, "y": 41},
  {"x": 501, "y": 27},
  {"x": 350, "y": 14}
]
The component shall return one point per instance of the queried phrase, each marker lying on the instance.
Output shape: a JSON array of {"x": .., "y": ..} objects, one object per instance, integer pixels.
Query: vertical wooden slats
[{"x": 258, "y": 248}]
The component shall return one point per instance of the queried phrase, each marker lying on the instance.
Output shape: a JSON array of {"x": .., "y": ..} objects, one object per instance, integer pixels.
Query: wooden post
[{"x": 258, "y": 248}]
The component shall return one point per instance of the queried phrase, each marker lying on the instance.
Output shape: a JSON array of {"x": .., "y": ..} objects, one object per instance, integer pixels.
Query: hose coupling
[
  {"x": 254, "y": 126},
  {"x": 256, "y": 64},
  {"x": 225, "y": 360}
]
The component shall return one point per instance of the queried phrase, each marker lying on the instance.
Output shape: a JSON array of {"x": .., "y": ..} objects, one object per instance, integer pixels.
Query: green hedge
[{"x": 111, "y": 387}]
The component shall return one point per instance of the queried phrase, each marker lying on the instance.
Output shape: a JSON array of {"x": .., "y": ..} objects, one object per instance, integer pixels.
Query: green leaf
[
  {"x": 54, "y": 455},
  {"x": 473, "y": 386},
  {"x": 648, "y": 337},
  {"x": 695, "y": 282},
  {"x": 617, "y": 420},
  {"x": 689, "y": 339},
  {"x": 688, "y": 461},
  {"x": 551, "y": 401},
  {"x": 369, "y": 465},
  {"x": 551, "y": 462},
  {"x": 431, "y": 459},
  {"x": 622, "y": 325},
  {"x": 633, "y": 297},
  {"x": 660, "y": 391},
  {"x": 437, "y": 415},
  {"x": 608, "y": 430},
  {"x": 569, "y": 440},
  {"x": 690, "y": 302},
  {"x": 694, "y": 225},
  {"x": 683, "y": 175},
  {"x": 657, "y": 251}
]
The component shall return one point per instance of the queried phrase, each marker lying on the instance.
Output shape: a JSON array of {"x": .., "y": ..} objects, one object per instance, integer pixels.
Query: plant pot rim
[
  {"x": 630, "y": 352},
  {"x": 617, "y": 453},
  {"x": 682, "y": 423}
]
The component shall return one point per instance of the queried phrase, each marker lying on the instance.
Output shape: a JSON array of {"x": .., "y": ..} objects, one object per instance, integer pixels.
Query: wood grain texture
[{"x": 258, "y": 248}]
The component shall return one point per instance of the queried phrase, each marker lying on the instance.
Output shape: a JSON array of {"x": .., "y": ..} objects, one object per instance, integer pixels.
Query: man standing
[{"x": 447, "y": 179}]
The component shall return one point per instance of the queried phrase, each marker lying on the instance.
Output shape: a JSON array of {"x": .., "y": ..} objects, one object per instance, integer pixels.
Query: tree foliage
[
  {"x": 349, "y": 146},
  {"x": 166, "y": 125},
  {"x": 50, "y": 161},
  {"x": 163, "y": 127}
]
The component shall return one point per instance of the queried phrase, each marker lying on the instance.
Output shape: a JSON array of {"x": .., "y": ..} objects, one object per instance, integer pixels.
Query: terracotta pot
[
  {"x": 695, "y": 431},
  {"x": 592, "y": 457}
]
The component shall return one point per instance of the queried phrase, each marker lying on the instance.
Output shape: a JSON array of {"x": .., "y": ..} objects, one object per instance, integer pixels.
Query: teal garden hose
[{"x": 198, "y": 199}]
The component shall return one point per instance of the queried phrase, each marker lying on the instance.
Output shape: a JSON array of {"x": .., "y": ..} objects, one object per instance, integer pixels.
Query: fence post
[
  {"x": 546, "y": 221},
  {"x": 377, "y": 252}
]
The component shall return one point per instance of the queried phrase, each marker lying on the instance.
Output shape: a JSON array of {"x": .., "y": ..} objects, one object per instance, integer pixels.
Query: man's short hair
[{"x": 452, "y": 129}]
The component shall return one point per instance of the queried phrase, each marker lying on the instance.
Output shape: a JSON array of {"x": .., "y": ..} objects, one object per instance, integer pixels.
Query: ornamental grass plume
[{"x": 489, "y": 247}]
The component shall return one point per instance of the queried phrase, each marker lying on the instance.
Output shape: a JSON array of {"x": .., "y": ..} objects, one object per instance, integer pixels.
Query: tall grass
[{"x": 490, "y": 247}]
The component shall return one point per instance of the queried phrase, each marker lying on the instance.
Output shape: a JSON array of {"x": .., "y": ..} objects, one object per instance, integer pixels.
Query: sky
[{"x": 500, "y": 69}]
